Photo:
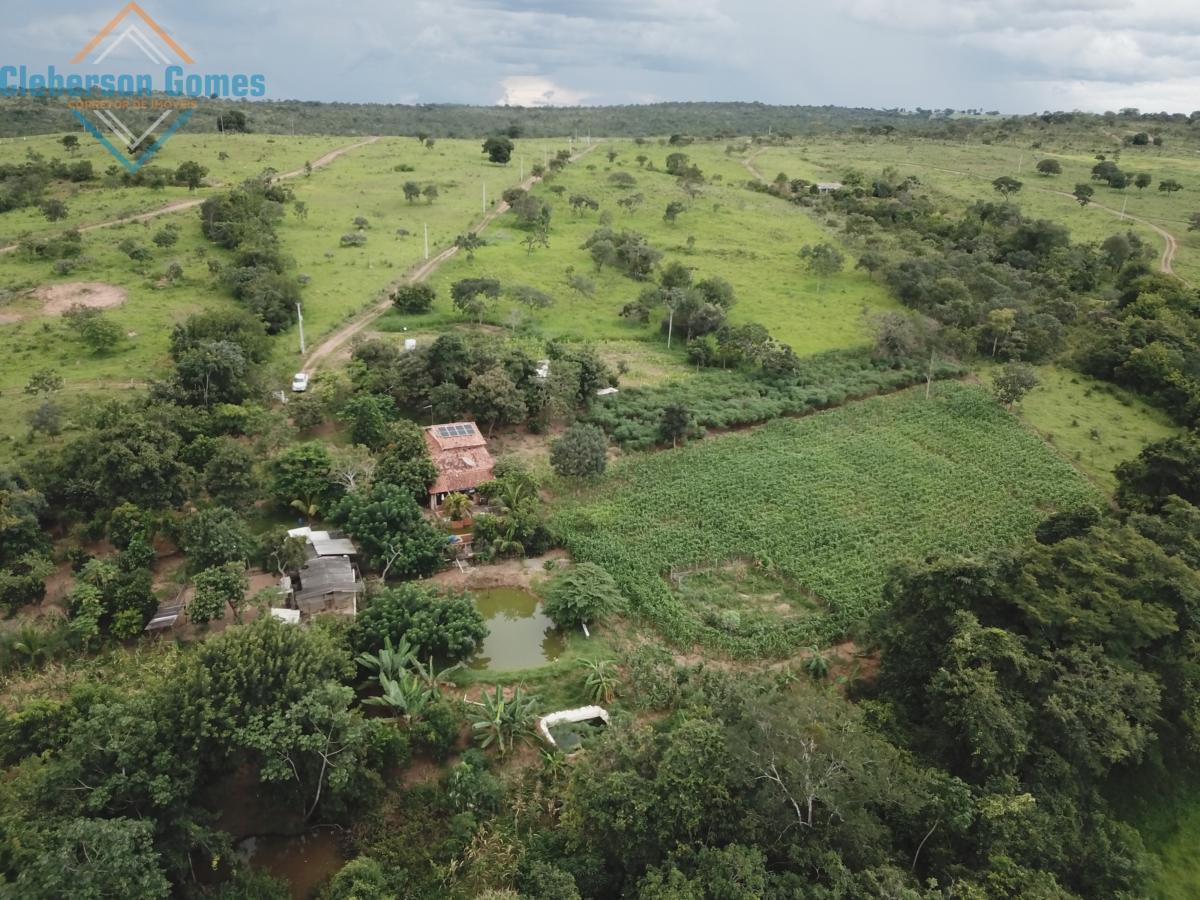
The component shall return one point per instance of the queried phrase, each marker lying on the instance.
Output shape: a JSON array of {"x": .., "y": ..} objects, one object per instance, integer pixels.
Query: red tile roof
[
  {"x": 451, "y": 435},
  {"x": 462, "y": 460}
]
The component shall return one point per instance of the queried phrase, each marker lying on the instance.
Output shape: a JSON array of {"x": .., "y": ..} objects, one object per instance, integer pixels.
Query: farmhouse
[
  {"x": 826, "y": 186},
  {"x": 462, "y": 459}
]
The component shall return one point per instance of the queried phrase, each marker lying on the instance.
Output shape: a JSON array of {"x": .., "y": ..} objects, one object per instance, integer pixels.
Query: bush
[
  {"x": 582, "y": 452},
  {"x": 436, "y": 733},
  {"x": 583, "y": 594},
  {"x": 446, "y": 626},
  {"x": 414, "y": 298}
]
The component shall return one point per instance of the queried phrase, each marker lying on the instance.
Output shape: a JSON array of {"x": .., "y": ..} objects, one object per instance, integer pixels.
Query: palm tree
[
  {"x": 32, "y": 644},
  {"x": 514, "y": 490},
  {"x": 601, "y": 679},
  {"x": 508, "y": 545},
  {"x": 816, "y": 665},
  {"x": 457, "y": 505}
]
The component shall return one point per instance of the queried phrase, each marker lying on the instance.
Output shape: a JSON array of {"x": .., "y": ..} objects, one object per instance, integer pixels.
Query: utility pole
[
  {"x": 1020, "y": 162},
  {"x": 427, "y": 240},
  {"x": 300, "y": 319},
  {"x": 1123, "y": 205},
  {"x": 522, "y": 179},
  {"x": 485, "y": 196}
]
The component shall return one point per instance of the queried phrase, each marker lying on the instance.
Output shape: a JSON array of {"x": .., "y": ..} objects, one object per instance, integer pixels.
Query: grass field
[
  {"x": 963, "y": 173},
  {"x": 92, "y": 202},
  {"x": 748, "y": 239},
  {"x": 1163, "y": 803},
  {"x": 1093, "y": 424},
  {"x": 826, "y": 504},
  {"x": 363, "y": 182}
]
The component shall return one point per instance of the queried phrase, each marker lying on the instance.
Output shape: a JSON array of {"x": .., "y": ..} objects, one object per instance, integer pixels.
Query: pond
[
  {"x": 304, "y": 861},
  {"x": 520, "y": 635}
]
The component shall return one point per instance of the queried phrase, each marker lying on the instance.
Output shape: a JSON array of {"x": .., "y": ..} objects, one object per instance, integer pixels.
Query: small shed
[
  {"x": 322, "y": 543},
  {"x": 825, "y": 187},
  {"x": 327, "y": 584},
  {"x": 167, "y": 614}
]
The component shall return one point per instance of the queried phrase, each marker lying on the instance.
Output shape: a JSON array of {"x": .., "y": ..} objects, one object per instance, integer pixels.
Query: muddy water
[
  {"x": 520, "y": 635},
  {"x": 304, "y": 861}
]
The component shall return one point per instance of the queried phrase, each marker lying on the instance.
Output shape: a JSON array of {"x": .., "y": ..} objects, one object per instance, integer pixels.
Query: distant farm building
[
  {"x": 826, "y": 186},
  {"x": 463, "y": 463}
]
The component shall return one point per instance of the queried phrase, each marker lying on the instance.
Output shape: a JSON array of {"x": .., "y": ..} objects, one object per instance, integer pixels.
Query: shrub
[
  {"x": 446, "y": 626},
  {"x": 580, "y": 595},
  {"x": 414, "y": 298},
  {"x": 581, "y": 452}
]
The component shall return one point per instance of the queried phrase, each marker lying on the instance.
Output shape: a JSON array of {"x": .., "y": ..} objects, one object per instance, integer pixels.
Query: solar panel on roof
[{"x": 449, "y": 431}]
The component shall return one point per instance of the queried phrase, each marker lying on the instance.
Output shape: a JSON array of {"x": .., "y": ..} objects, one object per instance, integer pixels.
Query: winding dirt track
[
  {"x": 1170, "y": 243},
  {"x": 182, "y": 205},
  {"x": 324, "y": 351}
]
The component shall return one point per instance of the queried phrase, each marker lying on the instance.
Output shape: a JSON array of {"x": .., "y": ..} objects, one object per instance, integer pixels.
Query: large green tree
[{"x": 394, "y": 537}]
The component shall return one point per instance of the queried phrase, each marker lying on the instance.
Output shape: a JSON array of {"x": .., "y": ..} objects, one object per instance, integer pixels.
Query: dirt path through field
[
  {"x": 183, "y": 205},
  {"x": 326, "y": 350}
]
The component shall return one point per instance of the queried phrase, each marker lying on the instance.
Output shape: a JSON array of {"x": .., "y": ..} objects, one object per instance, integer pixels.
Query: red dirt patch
[{"x": 58, "y": 298}]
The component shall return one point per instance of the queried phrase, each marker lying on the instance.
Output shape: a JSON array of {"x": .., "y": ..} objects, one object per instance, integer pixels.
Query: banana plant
[
  {"x": 307, "y": 507},
  {"x": 433, "y": 679},
  {"x": 391, "y": 662},
  {"x": 406, "y": 696},
  {"x": 504, "y": 720}
]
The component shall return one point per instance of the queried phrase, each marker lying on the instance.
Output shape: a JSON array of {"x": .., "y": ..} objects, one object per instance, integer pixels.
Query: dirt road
[
  {"x": 183, "y": 205},
  {"x": 1171, "y": 245},
  {"x": 326, "y": 350}
]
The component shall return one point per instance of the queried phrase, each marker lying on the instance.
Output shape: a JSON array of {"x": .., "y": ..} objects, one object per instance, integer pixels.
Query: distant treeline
[
  {"x": 22, "y": 116},
  {"x": 31, "y": 115}
]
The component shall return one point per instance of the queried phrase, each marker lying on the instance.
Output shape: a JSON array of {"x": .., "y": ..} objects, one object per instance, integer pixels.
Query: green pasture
[
  {"x": 963, "y": 173},
  {"x": 749, "y": 239},
  {"x": 1093, "y": 424},
  {"x": 93, "y": 202}
]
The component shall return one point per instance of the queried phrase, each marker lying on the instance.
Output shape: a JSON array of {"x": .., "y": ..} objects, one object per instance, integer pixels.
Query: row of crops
[
  {"x": 830, "y": 502},
  {"x": 718, "y": 399}
]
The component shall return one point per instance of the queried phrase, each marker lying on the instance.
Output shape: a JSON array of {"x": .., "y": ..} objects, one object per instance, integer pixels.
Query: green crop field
[
  {"x": 749, "y": 239},
  {"x": 963, "y": 173},
  {"x": 827, "y": 504}
]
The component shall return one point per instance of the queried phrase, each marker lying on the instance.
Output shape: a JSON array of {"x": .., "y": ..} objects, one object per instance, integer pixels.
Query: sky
[{"x": 1015, "y": 56}]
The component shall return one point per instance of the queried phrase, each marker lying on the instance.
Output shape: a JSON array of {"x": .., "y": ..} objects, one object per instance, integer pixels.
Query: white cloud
[{"x": 533, "y": 90}]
